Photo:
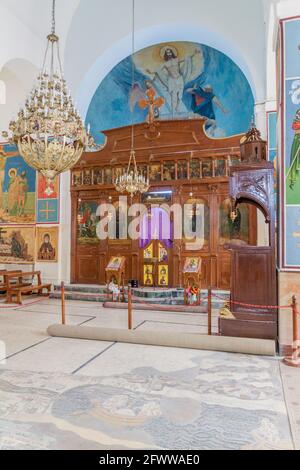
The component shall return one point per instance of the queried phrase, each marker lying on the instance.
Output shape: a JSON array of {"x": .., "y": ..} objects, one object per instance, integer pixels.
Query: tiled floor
[{"x": 74, "y": 394}]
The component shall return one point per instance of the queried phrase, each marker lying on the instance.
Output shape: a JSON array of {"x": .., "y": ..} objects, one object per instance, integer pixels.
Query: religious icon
[
  {"x": 118, "y": 171},
  {"x": 155, "y": 172},
  {"x": 182, "y": 170},
  {"x": 143, "y": 169},
  {"x": 17, "y": 191},
  {"x": 115, "y": 263},
  {"x": 163, "y": 253},
  {"x": 195, "y": 172},
  {"x": 220, "y": 168},
  {"x": 48, "y": 190},
  {"x": 148, "y": 275},
  {"x": 148, "y": 270},
  {"x": 47, "y": 211},
  {"x": 207, "y": 168},
  {"x": 233, "y": 229},
  {"x": 149, "y": 280},
  {"x": 191, "y": 265},
  {"x": 234, "y": 160},
  {"x": 107, "y": 175},
  {"x": 12, "y": 198},
  {"x": 76, "y": 178},
  {"x": 47, "y": 244},
  {"x": 87, "y": 222},
  {"x": 169, "y": 171},
  {"x": 97, "y": 176},
  {"x": 17, "y": 245},
  {"x": 163, "y": 275},
  {"x": 148, "y": 252},
  {"x": 87, "y": 177}
]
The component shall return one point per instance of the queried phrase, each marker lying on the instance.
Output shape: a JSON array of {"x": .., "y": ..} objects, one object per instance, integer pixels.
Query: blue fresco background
[
  {"x": 272, "y": 131},
  {"x": 292, "y": 241},
  {"x": 19, "y": 164},
  {"x": 52, "y": 206},
  {"x": 110, "y": 107},
  {"x": 290, "y": 113},
  {"x": 291, "y": 77},
  {"x": 292, "y": 52},
  {"x": 292, "y": 99}
]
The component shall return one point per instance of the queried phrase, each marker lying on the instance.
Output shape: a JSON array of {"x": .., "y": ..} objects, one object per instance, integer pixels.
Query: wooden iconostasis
[{"x": 184, "y": 166}]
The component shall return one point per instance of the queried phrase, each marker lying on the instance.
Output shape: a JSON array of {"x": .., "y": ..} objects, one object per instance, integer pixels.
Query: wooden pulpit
[{"x": 253, "y": 268}]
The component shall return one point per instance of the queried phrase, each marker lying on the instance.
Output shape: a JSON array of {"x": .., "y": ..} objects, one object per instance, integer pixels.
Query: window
[{"x": 2, "y": 92}]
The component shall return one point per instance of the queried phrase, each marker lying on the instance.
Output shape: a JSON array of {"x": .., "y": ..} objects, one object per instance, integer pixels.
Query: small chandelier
[
  {"x": 132, "y": 181},
  {"x": 48, "y": 130}
]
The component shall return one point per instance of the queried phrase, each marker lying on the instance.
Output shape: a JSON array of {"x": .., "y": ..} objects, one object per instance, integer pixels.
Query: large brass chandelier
[
  {"x": 132, "y": 181},
  {"x": 48, "y": 130}
]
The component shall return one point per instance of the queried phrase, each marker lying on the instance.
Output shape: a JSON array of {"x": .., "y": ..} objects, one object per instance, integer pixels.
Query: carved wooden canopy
[{"x": 160, "y": 138}]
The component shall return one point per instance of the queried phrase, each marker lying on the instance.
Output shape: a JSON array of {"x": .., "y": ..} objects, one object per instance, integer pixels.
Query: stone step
[
  {"x": 85, "y": 288},
  {"x": 82, "y": 296}
]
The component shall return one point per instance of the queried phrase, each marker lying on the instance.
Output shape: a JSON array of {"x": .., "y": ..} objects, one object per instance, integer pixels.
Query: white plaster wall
[
  {"x": 24, "y": 27},
  {"x": 18, "y": 76}
]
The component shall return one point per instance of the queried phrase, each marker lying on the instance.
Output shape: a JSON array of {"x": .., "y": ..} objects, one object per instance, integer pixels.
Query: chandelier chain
[
  {"x": 132, "y": 181},
  {"x": 53, "y": 17},
  {"x": 132, "y": 69}
]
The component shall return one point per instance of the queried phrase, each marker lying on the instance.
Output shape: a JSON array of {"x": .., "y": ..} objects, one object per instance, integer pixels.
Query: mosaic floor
[{"x": 60, "y": 393}]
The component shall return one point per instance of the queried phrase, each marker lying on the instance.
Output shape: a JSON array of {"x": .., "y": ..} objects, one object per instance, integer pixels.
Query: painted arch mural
[{"x": 194, "y": 80}]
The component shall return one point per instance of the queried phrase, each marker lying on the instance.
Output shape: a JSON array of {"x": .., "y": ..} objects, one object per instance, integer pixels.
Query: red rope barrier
[
  {"x": 17, "y": 306},
  {"x": 270, "y": 307},
  {"x": 162, "y": 306}
]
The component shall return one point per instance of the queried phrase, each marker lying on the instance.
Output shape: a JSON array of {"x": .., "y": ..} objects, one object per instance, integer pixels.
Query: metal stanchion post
[
  {"x": 63, "y": 304},
  {"x": 129, "y": 308},
  {"x": 209, "y": 311}
]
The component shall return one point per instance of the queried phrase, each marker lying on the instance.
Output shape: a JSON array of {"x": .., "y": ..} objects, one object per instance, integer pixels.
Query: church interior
[{"x": 149, "y": 225}]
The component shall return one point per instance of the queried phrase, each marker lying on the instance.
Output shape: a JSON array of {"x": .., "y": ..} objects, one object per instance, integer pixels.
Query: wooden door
[{"x": 156, "y": 257}]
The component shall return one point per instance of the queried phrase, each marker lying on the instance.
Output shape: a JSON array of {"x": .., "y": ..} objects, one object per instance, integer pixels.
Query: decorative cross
[
  {"x": 151, "y": 102},
  {"x": 47, "y": 211}
]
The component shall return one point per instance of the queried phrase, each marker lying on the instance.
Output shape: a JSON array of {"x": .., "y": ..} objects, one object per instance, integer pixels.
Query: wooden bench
[
  {"x": 24, "y": 283},
  {"x": 3, "y": 280}
]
